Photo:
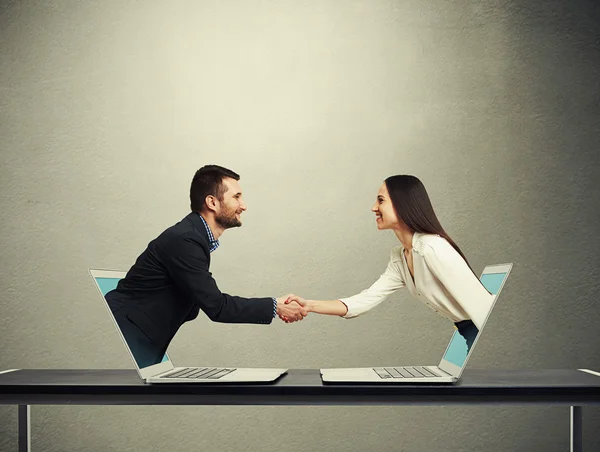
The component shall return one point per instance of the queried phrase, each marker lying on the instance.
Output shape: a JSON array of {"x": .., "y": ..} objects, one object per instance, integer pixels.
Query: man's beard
[{"x": 227, "y": 219}]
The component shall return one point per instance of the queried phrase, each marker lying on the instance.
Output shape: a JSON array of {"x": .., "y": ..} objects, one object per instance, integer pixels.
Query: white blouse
[{"x": 442, "y": 280}]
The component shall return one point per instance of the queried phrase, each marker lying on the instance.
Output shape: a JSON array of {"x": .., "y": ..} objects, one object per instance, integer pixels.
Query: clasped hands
[{"x": 291, "y": 308}]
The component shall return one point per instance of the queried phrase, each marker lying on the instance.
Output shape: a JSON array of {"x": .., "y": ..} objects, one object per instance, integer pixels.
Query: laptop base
[
  {"x": 233, "y": 375},
  {"x": 374, "y": 375}
]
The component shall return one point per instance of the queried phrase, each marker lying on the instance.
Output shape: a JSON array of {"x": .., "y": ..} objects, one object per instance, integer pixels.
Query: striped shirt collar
[{"x": 214, "y": 244}]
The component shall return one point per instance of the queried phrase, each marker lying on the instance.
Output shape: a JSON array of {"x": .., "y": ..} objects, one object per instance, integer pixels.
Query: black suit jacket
[{"x": 168, "y": 285}]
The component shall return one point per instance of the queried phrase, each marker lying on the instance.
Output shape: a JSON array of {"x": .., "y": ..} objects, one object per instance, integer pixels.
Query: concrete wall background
[{"x": 107, "y": 109}]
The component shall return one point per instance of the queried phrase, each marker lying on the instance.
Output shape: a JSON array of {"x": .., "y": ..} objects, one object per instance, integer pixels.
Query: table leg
[
  {"x": 576, "y": 429},
  {"x": 24, "y": 428}
]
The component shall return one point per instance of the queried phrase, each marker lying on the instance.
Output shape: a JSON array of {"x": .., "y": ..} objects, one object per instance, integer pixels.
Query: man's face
[{"x": 232, "y": 206}]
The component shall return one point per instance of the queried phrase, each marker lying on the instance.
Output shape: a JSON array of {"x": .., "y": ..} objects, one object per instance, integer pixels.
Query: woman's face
[{"x": 385, "y": 215}]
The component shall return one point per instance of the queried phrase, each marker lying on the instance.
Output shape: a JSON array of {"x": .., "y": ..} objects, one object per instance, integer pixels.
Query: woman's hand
[
  {"x": 290, "y": 313},
  {"x": 300, "y": 301}
]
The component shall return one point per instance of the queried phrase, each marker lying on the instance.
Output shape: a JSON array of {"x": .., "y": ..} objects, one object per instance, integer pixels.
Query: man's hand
[{"x": 290, "y": 312}]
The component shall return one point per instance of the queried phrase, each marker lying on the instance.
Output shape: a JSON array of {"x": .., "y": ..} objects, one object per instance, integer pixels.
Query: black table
[{"x": 570, "y": 387}]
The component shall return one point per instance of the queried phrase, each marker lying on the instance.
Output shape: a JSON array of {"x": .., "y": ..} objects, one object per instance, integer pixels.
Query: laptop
[
  {"x": 453, "y": 360},
  {"x": 165, "y": 371}
]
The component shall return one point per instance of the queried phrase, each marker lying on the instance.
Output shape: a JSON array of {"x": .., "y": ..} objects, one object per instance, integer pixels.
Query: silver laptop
[
  {"x": 165, "y": 371},
  {"x": 453, "y": 360}
]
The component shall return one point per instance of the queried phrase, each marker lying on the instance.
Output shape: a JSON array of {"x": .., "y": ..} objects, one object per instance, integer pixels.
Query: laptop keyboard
[
  {"x": 197, "y": 373},
  {"x": 405, "y": 372}
]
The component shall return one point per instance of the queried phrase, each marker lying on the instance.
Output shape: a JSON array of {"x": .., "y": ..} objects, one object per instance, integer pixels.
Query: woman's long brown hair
[{"x": 413, "y": 206}]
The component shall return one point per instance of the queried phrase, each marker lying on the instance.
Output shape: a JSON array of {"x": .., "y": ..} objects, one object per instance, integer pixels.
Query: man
[{"x": 170, "y": 281}]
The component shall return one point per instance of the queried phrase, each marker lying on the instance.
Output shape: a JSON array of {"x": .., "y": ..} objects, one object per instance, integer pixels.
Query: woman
[{"x": 427, "y": 262}]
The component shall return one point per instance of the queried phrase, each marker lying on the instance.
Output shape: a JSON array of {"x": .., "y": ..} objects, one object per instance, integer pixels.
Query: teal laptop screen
[
  {"x": 457, "y": 351},
  {"x": 108, "y": 284}
]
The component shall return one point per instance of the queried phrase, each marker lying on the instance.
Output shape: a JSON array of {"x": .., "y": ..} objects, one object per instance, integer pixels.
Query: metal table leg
[
  {"x": 576, "y": 429},
  {"x": 24, "y": 428}
]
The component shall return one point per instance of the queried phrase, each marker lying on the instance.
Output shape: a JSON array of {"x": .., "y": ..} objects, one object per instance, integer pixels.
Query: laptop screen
[
  {"x": 457, "y": 351},
  {"x": 106, "y": 285}
]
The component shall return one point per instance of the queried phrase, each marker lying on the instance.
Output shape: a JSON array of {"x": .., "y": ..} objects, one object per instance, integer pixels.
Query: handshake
[{"x": 292, "y": 308}]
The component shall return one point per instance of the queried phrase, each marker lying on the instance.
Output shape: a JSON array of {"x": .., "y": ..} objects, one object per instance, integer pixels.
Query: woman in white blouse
[{"x": 427, "y": 262}]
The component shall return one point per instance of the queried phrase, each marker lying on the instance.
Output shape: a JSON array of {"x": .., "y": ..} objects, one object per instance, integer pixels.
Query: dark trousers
[
  {"x": 468, "y": 330},
  {"x": 144, "y": 350}
]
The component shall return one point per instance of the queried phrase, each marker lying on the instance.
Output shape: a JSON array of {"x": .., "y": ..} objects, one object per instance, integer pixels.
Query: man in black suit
[{"x": 170, "y": 281}]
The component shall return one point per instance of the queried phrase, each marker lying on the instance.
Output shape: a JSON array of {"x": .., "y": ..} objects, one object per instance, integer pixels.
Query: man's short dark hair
[{"x": 208, "y": 180}]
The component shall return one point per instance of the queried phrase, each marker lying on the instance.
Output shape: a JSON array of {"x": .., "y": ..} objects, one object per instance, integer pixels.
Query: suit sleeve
[
  {"x": 186, "y": 262},
  {"x": 459, "y": 281}
]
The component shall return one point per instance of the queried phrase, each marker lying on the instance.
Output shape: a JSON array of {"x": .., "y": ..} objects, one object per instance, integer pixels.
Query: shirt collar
[{"x": 214, "y": 244}]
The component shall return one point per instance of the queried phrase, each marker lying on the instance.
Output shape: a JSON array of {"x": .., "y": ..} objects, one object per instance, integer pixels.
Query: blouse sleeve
[
  {"x": 459, "y": 281},
  {"x": 390, "y": 281}
]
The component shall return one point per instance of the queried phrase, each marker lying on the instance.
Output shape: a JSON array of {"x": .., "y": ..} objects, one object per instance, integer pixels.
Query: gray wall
[{"x": 107, "y": 109}]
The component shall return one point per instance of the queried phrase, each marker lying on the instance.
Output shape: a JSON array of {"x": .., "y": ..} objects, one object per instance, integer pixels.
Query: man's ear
[{"x": 212, "y": 203}]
